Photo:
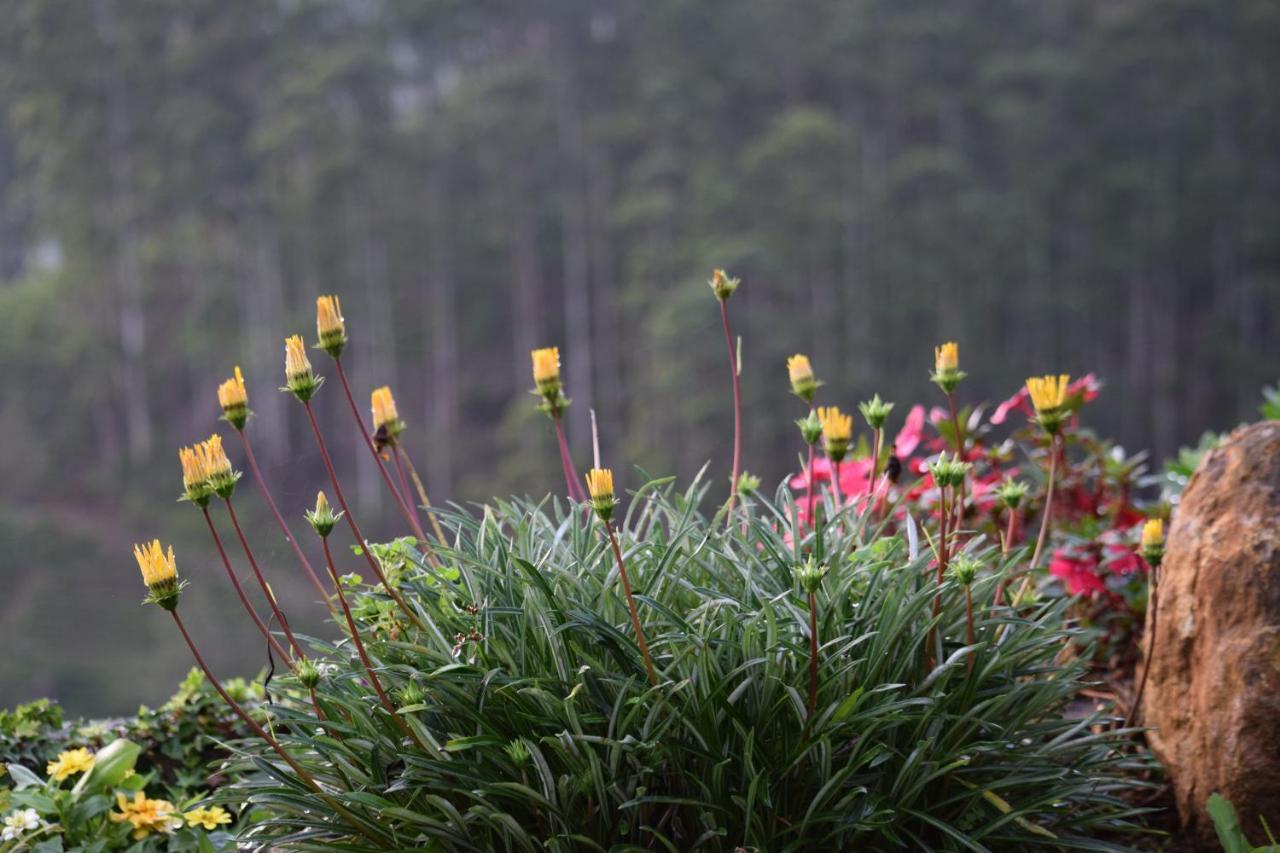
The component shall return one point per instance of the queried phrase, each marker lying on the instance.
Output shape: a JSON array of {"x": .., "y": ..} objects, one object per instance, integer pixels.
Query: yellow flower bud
[
  {"x": 1152, "y": 545},
  {"x": 837, "y": 431},
  {"x": 330, "y": 326},
  {"x": 221, "y": 476},
  {"x": 234, "y": 400},
  {"x": 600, "y": 488},
  {"x": 195, "y": 475},
  {"x": 385, "y": 415},
  {"x": 1049, "y": 395},
  {"x": 803, "y": 382},
  {"x": 159, "y": 573},
  {"x": 946, "y": 357},
  {"x": 546, "y": 376},
  {"x": 299, "y": 377},
  {"x": 722, "y": 285}
]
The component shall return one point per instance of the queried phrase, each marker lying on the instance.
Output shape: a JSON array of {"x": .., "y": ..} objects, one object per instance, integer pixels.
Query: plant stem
[
  {"x": 364, "y": 655},
  {"x": 275, "y": 511},
  {"x": 1005, "y": 544},
  {"x": 422, "y": 491},
  {"x": 244, "y": 600},
  {"x": 835, "y": 486},
  {"x": 875, "y": 467},
  {"x": 566, "y": 463},
  {"x": 377, "y": 457},
  {"x": 404, "y": 485},
  {"x": 737, "y": 404},
  {"x": 631, "y": 603},
  {"x": 969, "y": 635},
  {"x": 351, "y": 522},
  {"x": 959, "y": 431},
  {"x": 262, "y": 582},
  {"x": 1048, "y": 514},
  {"x": 809, "y": 490},
  {"x": 943, "y": 530},
  {"x": 1132, "y": 716},
  {"x": 813, "y": 654},
  {"x": 257, "y": 729}
]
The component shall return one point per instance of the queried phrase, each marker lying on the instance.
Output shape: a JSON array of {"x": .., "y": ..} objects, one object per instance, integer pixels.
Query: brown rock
[{"x": 1213, "y": 696}]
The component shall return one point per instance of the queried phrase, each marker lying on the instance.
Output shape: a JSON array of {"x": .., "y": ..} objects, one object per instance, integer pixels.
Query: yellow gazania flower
[
  {"x": 300, "y": 379},
  {"x": 600, "y": 488},
  {"x": 222, "y": 477},
  {"x": 835, "y": 424},
  {"x": 209, "y": 818},
  {"x": 145, "y": 815},
  {"x": 296, "y": 363},
  {"x": 72, "y": 761},
  {"x": 803, "y": 382},
  {"x": 837, "y": 431},
  {"x": 195, "y": 474},
  {"x": 234, "y": 400},
  {"x": 546, "y": 366},
  {"x": 946, "y": 358},
  {"x": 330, "y": 326},
  {"x": 1153, "y": 533},
  {"x": 1048, "y": 393},
  {"x": 158, "y": 568},
  {"x": 384, "y": 411}
]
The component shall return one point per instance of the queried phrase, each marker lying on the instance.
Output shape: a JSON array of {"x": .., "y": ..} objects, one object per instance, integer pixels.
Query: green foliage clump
[{"x": 530, "y": 723}]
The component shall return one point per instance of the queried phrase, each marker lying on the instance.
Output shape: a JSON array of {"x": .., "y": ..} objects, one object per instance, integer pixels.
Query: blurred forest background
[{"x": 1076, "y": 185}]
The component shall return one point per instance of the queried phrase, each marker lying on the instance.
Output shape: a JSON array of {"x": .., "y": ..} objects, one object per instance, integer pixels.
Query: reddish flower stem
[
  {"x": 262, "y": 582},
  {"x": 737, "y": 405},
  {"x": 813, "y": 654},
  {"x": 404, "y": 487},
  {"x": 244, "y": 600},
  {"x": 422, "y": 490},
  {"x": 364, "y": 655},
  {"x": 275, "y": 511},
  {"x": 1132, "y": 716},
  {"x": 576, "y": 492},
  {"x": 875, "y": 466},
  {"x": 1048, "y": 514},
  {"x": 631, "y": 604},
  {"x": 351, "y": 522},
  {"x": 377, "y": 457},
  {"x": 258, "y": 730}
]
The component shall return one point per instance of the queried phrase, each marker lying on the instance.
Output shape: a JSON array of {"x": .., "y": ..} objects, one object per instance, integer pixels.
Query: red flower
[
  {"x": 1079, "y": 574},
  {"x": 1124, "y": 560}
]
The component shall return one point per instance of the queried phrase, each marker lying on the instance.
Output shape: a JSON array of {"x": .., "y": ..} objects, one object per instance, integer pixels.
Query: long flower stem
[
  {"x": 566, "y": 463},
  {"x": 959, "y": 431},
  {"x": 835, "y": 486},
  {"x": 875, "y": 466},
  {"x": 258, "y": 730},
  {"x": 422, "y": 491},
  {"x": 351, "y": 522},
  {"x": 631, "y": 604},
  {"x": 1005, "y": 544},
  {"x": 737, "y": 404},
  {"x": 968, "y": 615},
  {"x": 808, "y": 490},
  {"x": 404, "y": 485},
  {"x": 364, "y": 655},
  {"x": 262, "y": 582},
  {"x": 813, "y": 654},
  {"x": 1134, "y": 709},
  {"x": 1044, "y": 522},
  {"x": 275, "y": 511},
  {"x": 377, "y": 457},
  {"x": 244, "y": 599}
]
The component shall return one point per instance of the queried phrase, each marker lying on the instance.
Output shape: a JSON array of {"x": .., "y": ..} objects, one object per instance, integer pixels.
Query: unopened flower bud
[
  {"x": 748, "y": 483},
  {"x": 1049, "y": 396},
  {"x": 308, "y": 674},
  {"x": 946, "y": 367},
  {"x": 234, "y": 400},
  {"x": 300, "y": 379},
  {"x": 546, "y": 378},
  {"x": 1152, "y": 545},
  {"x": 803, "y": 383},
  {"x": 875, "y": 411},
  {"x": 837, "y": 432},
  {"x": 810, "y": 428},
  {"x": 159, "y": 573},
  {"x": 330, "y": 327},
  {"x": 322, "y": 518},
  {"x": 964, "y": 569},
  {"x": 809, "y": 575},
  {"x": 722, "y": 285},
  {"x": 600, "y": 488},
  {"x": 1010, "y": 493},
  {"x": 195, "y": 476},
  {"x": 222, "y": 477}
]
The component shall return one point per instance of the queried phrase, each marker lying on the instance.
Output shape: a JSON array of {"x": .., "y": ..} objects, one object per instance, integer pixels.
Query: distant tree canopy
[{"x": 1056, "y": 184}]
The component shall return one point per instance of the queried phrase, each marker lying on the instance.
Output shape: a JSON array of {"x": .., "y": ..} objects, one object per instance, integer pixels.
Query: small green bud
[
  {"x": 517, "y": 752},
  {"x": 964, "y": 569},
  {"x": 810, "y": 428},
  {"x": 1010, "y": 493},
  {"x": 308, "y": 675},
  {"x": 875, "y": 411},
  {"x": 322, "y": 518},
  {"x": 748, "y": 484},
  {"x": 722, "y": 285},
  {"x": 809, "y": 574}
]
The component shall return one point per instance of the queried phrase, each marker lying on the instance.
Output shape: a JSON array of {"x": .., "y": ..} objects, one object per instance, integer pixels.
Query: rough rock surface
[{"x": 1213, "y": 696}]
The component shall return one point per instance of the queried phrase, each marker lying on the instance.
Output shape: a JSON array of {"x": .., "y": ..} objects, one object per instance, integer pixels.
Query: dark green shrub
[{"x": 539, "y": 729}]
